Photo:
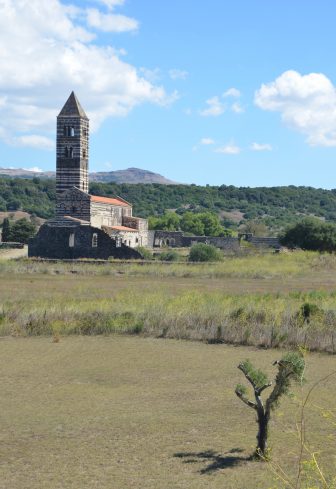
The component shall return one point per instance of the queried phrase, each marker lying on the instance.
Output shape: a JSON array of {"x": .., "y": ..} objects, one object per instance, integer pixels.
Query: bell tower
[{"x": 72, "y": 147}]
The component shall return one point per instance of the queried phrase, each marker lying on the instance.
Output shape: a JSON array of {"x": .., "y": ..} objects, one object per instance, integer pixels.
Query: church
[{"x": 85, "y": 225}]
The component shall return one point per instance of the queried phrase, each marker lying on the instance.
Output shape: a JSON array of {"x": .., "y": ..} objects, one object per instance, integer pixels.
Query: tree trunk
[{"x": 263, "y": 420}]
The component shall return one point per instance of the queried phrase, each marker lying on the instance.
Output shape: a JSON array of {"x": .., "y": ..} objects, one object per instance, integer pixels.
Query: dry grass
[
  {"x": 256, "y": 311},
  {"x": 122, "y": 412}
]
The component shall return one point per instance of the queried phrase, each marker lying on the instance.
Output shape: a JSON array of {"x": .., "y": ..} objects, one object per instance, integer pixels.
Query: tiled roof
[
  {"x": 108, "y": 200},
  {"x": 123, "y": 228}
]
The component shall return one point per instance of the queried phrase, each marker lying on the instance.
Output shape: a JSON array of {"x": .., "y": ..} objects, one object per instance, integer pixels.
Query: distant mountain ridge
[{"x": 130, "y": 175}]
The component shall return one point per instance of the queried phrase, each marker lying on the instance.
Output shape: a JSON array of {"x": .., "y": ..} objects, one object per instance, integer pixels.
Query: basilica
[{"x": 85, "y": 225}]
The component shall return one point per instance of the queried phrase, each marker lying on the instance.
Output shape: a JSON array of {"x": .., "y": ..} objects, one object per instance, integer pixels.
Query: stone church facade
[{"x": 85, "y": 226}]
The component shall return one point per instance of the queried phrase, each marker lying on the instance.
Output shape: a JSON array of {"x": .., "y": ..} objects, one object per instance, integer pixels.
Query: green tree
[
  {"x": 191, "y": 223},
  {"x": 290, "y": 368},
  {"x": 212, "y": 225},
  {"x": 257, "y": 228},
  {"x": 204, "y": 252},
  {"x": 22, "y": 230},
  {"x": 168, "y": 222},
  {"x": 311, "y": 234},
  {"x": 6, "y": 229}
]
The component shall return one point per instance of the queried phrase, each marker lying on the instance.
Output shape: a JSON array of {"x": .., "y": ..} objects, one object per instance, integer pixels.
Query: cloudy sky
[{"x": 220, "y": 92}]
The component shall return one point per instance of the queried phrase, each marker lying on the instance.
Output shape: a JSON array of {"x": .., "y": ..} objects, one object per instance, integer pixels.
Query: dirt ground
[{"x": 128, "y": 412}]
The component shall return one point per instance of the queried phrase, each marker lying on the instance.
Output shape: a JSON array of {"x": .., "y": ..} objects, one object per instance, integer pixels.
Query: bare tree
[{"x": 290, "y": 368}]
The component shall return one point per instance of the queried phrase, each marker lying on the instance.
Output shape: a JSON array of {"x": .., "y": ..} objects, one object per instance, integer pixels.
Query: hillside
[
  {"x": 275, "y": 206},
  {"x": 130, "y": 175}
]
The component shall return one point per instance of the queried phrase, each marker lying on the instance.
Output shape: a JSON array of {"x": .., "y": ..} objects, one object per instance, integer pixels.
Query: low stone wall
[
  {"x": 177, "y": 239},
  {"x": 264, "y": 242}
]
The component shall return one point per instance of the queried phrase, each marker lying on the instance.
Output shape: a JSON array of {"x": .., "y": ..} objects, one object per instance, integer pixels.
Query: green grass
[{"x": 121, "y": 412}]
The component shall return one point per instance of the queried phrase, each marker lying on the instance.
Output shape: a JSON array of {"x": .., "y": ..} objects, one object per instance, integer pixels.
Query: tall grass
[
  {"x": 250, "y": 266},
  {"x": 268, "y": 320}
]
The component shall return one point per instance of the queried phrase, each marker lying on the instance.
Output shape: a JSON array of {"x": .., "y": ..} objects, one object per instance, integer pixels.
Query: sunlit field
[{"x": 121, "y": 412}]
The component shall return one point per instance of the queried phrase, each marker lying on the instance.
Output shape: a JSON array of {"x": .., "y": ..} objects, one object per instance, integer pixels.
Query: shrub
[
  {"x": 145, "y": 253},
  {"x": 169, "y": 256},
  {"x": 311, "y": 234},
  {"x": 204, "y": 252},
  {"x": 22, "y": 230}
]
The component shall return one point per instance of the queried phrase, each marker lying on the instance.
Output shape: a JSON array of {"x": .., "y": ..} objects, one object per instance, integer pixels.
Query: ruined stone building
[{"x": 85, "y": 226}]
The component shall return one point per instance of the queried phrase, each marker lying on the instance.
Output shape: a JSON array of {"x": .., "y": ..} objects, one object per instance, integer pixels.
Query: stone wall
[
  {"x": 264, "y": 242},
  {"x": 173, "y": 239},
  {"x": 77, "y": 242},
  {"x": 177, "y": 239},
  {"x": 141, "y": 225},
  {"x": 103, "y": 214},
  {"x": 74, "y": 203}
]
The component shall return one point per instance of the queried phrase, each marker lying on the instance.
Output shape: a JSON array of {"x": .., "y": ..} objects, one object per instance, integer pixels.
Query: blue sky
[{"x": 215, "y": 92}]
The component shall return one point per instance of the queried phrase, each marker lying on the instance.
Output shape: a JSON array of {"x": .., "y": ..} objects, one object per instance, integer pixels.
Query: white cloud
[
  {"x": 307, "y": 103},
  {"x": 232, "y": 92},
  {"x": 36, "y": 169},
  {"x": 44, "y": 54},
  {"x": 110, "y": 4},
  {"x": 215, "y": 107},
  {"x": 34, "y": 141},
  {"x": 110, "y": 22},
  {"x": 237, "y": 108},
  {"x": 229, "y": 149},
  {"x": 260, "y": 147},
  {"x": 176, "y": 74},
  {"x": 207, "y": 141},
  {"x": 151, "y": 75}
]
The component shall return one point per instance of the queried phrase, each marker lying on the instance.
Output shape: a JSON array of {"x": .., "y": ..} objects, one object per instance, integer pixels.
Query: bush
[
  {"x": 311, "y": 234},
  {"x": 145, "y": 253},
  {"x": 21, "y": 231},
  {"x": 169, "y": 256},
  {"x": 204, "y": 252}
]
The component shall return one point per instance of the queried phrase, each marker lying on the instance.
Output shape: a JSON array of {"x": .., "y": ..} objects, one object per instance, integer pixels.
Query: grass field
[
  {"x": 123, "y": 412},
  {"x": 103, "y": 410},
  {"x": 252, "y": 300}
]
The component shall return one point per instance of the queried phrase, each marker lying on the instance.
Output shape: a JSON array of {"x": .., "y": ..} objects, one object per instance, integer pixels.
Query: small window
[
  {"x": 66, "y": 152},
  {"x": 71, "y": 152},
  {"x": 71, "y": 240},
  {"x": 118, "y": 242},
  {"x": 65, "y": 131},
  {"x": 84, "y": 153},
  {"x": 94, "y": 240},
  {"x": 71, "y": 131}
]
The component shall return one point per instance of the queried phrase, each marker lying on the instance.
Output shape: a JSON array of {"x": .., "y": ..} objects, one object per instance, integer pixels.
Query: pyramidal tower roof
[{"x": 72, "y": 108}]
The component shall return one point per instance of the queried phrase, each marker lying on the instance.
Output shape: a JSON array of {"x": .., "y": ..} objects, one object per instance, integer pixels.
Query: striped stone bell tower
[{"x": 72, "y": 147}]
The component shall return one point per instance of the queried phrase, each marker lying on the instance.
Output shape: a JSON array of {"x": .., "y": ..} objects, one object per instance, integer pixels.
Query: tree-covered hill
[{"x": 275, "y": 206}]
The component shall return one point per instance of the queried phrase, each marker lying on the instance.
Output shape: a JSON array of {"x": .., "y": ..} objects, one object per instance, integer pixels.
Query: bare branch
[
  {"x": 245, "y": 400},
  {"x": 261, "y": 389}
]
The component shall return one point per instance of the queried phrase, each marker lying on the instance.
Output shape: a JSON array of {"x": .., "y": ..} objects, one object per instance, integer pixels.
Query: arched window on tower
[
  {"x": 71, "y": 152},
  {"x": 72, "y": 131},
  {"x": 66, "y": 152}
]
